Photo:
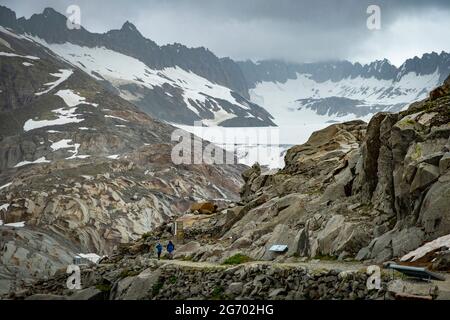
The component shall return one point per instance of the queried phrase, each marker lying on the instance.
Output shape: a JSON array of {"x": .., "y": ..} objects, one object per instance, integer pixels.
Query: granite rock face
[
  {"x": 371, "y": 192},
  {"x": 411, "y": 179}
]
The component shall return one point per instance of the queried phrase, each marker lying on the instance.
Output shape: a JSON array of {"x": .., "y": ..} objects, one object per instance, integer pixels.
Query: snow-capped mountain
[
  {"x": 182, "y": 85},
  {"x": 339, "y": 91},
  {"x": 172, "y": 83}
]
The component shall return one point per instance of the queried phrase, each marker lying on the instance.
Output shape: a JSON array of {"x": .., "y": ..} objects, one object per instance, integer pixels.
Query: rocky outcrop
[
  {"x": 28, "y": 253},
  {"x": 92, "y": 206},
  {"x": 410, "y": 180},
  {"x": 203, "y": 207},
  {"x": 372, "y": 192},
  {"x": 308, "y": 206}
]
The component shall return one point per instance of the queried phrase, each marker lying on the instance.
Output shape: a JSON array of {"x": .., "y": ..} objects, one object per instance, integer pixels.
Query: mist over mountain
[
  {"x": 247, "y": 93},
  {"x": 327, "y": 91},
  {"x": 172, "y": 83}
]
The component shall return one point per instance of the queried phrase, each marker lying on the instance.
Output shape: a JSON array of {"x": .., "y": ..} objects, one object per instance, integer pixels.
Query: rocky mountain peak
[
  {"x": 49, "y": 12},
  {"x": 7, "y": 17},
  {"x": 49, "y": 17},
  {"x": 128, "y": 27},
  {"x": 50, "y": 26}
]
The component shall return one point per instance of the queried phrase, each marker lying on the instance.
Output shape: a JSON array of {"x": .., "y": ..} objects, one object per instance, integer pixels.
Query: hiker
[
  {"x": 159, "y": 250},
  {"x": 170, "y": 249}
]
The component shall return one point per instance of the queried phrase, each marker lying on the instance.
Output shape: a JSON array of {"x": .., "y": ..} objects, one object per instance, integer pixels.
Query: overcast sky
[{"x": 292, "y": 30}]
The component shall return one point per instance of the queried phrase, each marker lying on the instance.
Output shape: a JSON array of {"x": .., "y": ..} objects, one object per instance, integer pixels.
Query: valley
[{"x": 343, "y": 165}]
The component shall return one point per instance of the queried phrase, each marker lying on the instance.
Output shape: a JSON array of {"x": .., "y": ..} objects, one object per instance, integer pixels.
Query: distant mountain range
[
  {"x": 337, "y": 91},
  {"x": 181, "y": 85}
]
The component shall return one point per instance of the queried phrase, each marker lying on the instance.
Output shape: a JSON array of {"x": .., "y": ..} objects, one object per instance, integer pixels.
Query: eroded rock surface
[{"x": 371, "y": 192}]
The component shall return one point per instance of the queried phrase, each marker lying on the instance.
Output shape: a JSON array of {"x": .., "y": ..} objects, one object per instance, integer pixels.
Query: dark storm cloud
[{"x": 263, "y": 29}]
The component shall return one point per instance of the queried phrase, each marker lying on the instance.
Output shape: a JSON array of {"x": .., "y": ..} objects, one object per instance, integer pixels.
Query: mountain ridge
[
  {"x": 261, "y": 71},
  {"x": 173, "y": 83},
  {"x": 245, "y": 73},
  {"x": 56, "y": 32},
  {"x": 81, "y": 169},
  {"x": 253, "y": 83}
]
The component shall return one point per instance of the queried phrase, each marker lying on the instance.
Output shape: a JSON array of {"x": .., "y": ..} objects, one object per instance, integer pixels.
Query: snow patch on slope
[
  {"x": 5, "y": 185},
  {"x": 114, "y": 117},
  {"x": 8, "y": 54},
  {"x": 120, "y": 69},
  {"x": 62, "y": 76},
  {"x": 14, "y": 35},
  {"x": 75, "y": 155},
  {"x": 72, "y": 99},
  {"x": 20, "y": 224},
  {"x": 64, "y": 116},
  {"x": 427, "y": 248},
  {"x": 24, "y": 163},
  {"x": 62, "y": 144},
  {"x": 93, "y": 257}
]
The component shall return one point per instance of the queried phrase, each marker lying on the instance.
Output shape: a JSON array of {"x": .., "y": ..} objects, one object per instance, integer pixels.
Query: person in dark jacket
[
  {"x": 159, "y": 250},
  {"x": 170, "y": 249}
]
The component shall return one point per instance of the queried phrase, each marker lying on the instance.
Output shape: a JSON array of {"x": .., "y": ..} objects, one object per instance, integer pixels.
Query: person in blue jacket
[
  {"x": 170, "y": 249},
  {"x": 159, "y": 250}
]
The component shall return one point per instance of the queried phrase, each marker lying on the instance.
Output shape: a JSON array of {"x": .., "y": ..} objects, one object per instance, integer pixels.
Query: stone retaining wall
[{"x": 263, "y": 282}]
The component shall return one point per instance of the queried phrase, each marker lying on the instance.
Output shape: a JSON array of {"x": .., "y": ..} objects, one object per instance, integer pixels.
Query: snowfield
[
  {"x": 120, "y": 69},
  {"x": 280, "y": 99},
  {"x": 265, "y": 145}
]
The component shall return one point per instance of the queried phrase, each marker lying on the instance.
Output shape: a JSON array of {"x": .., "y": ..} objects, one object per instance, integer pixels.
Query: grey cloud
[{"x": 259, "y": 29}]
